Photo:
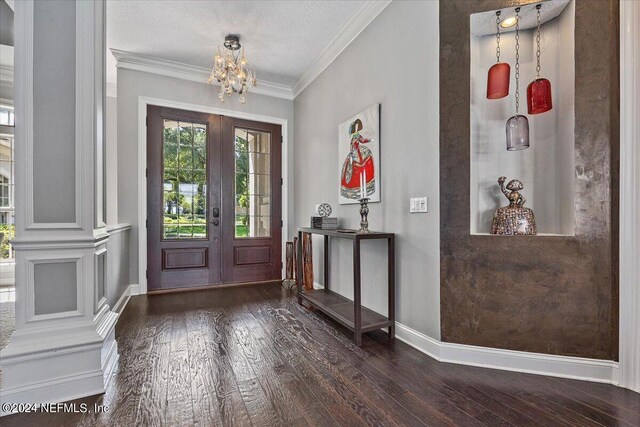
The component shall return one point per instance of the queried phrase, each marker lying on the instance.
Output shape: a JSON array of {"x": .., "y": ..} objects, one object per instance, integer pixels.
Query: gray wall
[
  {"x": 117, "y": 263},
  {"x": 132, "y": 85},
  {"x": 403, "y": 77}
]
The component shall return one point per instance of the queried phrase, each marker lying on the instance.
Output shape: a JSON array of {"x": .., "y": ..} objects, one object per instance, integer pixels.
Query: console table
[{"x": 346, "y": 312}]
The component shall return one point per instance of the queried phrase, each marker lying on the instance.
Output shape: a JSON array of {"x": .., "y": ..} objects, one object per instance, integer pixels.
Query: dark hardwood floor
[{"x": 253, "y": 356}]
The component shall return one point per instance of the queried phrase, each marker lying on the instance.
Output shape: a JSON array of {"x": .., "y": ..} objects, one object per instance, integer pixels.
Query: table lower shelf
[{"x": 341, "y": 309}]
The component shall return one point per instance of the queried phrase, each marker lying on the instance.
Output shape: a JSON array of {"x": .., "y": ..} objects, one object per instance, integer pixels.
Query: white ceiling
[{"x": 282, "y": 38}]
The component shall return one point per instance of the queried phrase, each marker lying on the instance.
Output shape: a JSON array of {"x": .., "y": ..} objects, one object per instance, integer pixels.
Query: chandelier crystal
[{"x": 231, "y": 71}]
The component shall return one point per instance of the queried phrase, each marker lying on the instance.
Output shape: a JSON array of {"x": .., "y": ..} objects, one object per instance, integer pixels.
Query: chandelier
[{"x": 231, "y": 71}]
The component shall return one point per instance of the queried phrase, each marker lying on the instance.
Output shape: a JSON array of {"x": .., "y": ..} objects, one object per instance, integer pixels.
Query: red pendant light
[
  {"x": 539, "y": 90},
  {"x": 539, "y": 96},
  {"x": 498, "y": 77}
]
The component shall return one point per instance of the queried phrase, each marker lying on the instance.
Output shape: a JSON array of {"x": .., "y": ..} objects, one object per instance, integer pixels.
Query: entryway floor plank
[{"x": 246, "y": 356}]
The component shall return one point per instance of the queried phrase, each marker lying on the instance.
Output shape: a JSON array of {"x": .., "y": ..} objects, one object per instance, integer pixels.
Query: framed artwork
[{"x": 359, "y": 157}]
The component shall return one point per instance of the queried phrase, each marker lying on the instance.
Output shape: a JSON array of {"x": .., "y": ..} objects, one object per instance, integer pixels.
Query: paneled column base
[{"x": 56, "y": 365}]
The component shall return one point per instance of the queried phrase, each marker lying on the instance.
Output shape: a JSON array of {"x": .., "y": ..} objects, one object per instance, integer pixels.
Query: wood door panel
[
  {"x": 252, "y": 255},
  {"x": 185, "y": 258}
]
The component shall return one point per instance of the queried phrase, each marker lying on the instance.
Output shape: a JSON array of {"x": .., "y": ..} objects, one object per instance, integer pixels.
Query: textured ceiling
[{"x": 282, "y": 38}]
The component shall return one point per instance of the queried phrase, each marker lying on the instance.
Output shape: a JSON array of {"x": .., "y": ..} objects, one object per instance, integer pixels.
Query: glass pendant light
[
  {"x": 498, "y": 77},
  {"x": 539, "y": 90},
  {"x": 518, "y": 125}
]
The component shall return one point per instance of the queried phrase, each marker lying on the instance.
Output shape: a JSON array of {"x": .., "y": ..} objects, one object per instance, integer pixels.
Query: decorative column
[
  {"x": 629, "y": 371},
  {"x": 64, "y": 345}
]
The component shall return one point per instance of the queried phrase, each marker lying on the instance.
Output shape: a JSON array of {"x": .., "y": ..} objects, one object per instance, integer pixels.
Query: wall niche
[{"x": 547, "y": 167}]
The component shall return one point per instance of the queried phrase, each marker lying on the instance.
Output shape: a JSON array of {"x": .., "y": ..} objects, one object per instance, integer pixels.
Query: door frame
[{"x": 143, "y": 101}]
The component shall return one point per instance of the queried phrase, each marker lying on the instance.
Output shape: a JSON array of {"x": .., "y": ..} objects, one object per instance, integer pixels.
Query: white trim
[
  {"x": 62, "y": 365},
  {"x": 23, "y": 95},
  {"x": 57, "y": 241},
  {"x": 110, "y": 363},
  {"x": 178, "y": 70},
  {"x": 629, "y": 197},
  {"x": 122, "y": 302},
  {"x": 112, "y": 90},
  {"x": 354, "y": 26},
  {"x": 31, "y": 262},
  {"x": 134, "y": 288},
  {"x": 347, "y": 34},
  {"x": 143, "y": 101},
  {"x": 603, "y": 371},
  {"x": 83, "y": 113},
  {"x": 117, "y": 228},
  {"x": 72, "y": 387}
]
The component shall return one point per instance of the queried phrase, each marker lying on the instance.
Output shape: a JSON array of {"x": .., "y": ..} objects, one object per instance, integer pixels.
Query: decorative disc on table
[
  {"x": 324, "y": 210},
  {"x": 514, "y": 219}
]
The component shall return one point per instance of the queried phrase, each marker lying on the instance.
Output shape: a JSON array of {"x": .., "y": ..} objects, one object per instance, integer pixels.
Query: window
[
  {"x": 253, "y": 183},
  {"x": 6, "y": 116},
  {"x": 4, "y": 192},
  {"x": 184, "y": 161}
]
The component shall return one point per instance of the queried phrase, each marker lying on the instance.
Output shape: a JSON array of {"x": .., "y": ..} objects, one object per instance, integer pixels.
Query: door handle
[
  {"x": 215, "y": 222},
  {"x": 216, "y": 212}
]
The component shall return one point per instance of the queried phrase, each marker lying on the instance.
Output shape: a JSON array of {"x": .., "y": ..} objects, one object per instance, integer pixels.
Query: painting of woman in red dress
[{"x": 360, "y": 163}]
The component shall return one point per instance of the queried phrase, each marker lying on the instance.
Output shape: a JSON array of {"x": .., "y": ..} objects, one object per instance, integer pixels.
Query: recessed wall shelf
[{"x": 547, "y": 167}]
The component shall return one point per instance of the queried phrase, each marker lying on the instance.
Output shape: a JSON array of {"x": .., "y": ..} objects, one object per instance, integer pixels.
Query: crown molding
[
  {"x": 163, "y": 67},
  {"x": 354, "y": 26}
]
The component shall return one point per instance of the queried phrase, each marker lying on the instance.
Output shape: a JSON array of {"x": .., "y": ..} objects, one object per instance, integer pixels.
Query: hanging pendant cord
[
  {"x": 498, "y": 36},
  {"x": 517, "y": 59},
  {"x": 538, "y": 41}
]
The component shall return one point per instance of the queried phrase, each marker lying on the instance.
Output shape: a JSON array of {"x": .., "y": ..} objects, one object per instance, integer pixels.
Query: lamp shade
[
  {"x": 539, "y": 96},
  {"x": 517, "y": 133},
  {"x": 498, "y": 80}
]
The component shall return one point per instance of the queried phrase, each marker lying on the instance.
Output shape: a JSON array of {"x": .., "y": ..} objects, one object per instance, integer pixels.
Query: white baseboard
[
  {"x": 59, "y": 376},
  {"x": 603, "y": 371},
  {"x": 65, "y": 389},
  {"x": 134, "y": 289},
  {"x": 124, "y": 298},
  {"x": 110, "y": 360},
  {"x": 76, "y": 362},
  {"x": 122, "y": 301}
]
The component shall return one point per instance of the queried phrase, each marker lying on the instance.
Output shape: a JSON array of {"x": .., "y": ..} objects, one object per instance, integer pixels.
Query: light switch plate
[{"x": 418, "y": 205}]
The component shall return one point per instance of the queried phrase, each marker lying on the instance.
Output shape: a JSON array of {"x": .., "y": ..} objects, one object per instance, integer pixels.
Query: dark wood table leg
[
  {"x": 391, "y": 253},
  {"x": 357, "y": 314},
  {"x": 299, "y": 274},
  {"x": 326, "y": 263}
]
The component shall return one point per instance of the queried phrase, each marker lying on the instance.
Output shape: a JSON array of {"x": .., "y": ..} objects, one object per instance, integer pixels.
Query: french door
[{"x": 213, "y": 200}]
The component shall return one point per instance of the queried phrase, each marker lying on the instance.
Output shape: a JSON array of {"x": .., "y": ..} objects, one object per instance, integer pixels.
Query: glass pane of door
[
  {"x": 252, "y": 183},
  {"x": 184, "y": 161}
]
